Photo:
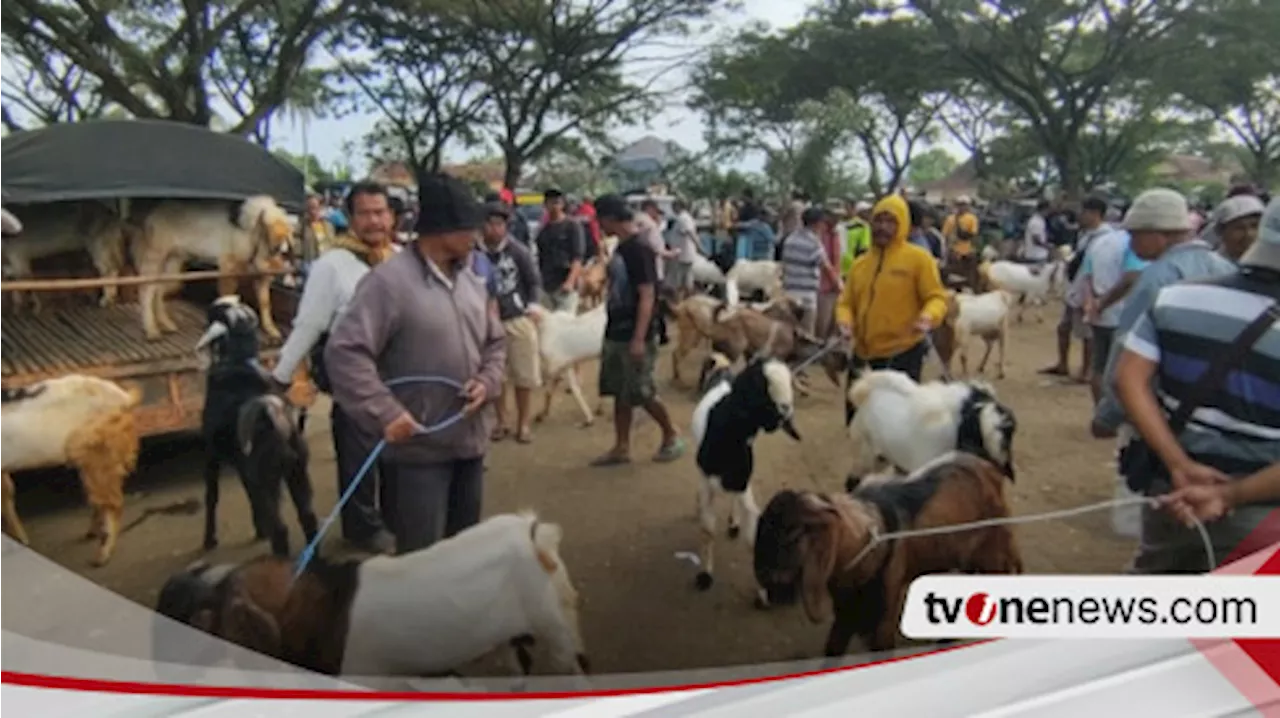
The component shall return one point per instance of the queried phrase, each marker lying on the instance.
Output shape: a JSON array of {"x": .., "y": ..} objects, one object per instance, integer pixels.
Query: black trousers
[
  {"x": 909, "y": 362},
  {"x": 361, "y": 518},
  {"x": 430, "y": 502}
]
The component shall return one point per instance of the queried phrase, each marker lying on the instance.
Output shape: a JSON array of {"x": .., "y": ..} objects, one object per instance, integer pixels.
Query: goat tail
[
  {"x": 546, "y": 543},
  {"x": 894, "y": 381}
]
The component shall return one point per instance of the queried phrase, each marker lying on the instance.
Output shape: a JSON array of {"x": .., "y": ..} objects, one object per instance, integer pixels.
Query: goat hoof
[
  {"x": 586, "y": 424},
  {"x": 734, "y": 531},
  {"x": 100, "y": 561},
  {"x": 210, "y": 543},
  {"x": 703, "y": 581},
  {"x": 761, "y": 603},
  {"x": 539, "y": 418}
]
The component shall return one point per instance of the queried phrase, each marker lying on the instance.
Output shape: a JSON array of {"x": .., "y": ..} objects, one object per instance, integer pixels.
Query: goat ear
[
  {"x": 249, "y": 626},
  {"x": 203, "y": 620},
  {"x": 816, "y": 569}
]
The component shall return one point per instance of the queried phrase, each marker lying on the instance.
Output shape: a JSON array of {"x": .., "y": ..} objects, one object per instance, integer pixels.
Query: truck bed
[{"x": 108, "y": 342}]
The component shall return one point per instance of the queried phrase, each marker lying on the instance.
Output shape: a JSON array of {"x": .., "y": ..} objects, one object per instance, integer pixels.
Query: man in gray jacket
[
  {"x": 330, "y": 284},
  {"x": 425, "y": 312}
]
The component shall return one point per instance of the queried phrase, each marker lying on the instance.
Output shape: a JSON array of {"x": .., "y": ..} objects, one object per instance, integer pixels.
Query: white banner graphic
[{"x": 950, "y": 606}]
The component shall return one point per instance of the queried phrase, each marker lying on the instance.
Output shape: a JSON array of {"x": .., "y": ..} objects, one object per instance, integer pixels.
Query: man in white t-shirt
[
  {"x": 1035, "y": 239},
  {"x": 685, "y": 235},
  {"x": 1110, "y": 268}
]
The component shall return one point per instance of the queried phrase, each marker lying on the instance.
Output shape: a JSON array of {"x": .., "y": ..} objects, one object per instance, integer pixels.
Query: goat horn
[{"x": 215, "y": 331}]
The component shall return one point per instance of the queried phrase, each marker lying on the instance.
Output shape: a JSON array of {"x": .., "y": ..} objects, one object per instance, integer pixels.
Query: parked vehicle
[{"x": 133, "y": 165}]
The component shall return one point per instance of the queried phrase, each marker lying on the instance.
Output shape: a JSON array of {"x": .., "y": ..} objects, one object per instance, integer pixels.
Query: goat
[
  {"x": 75, "y": 420},
  {"x": 9, "y": 223},
  {"x": 595, "y": 277},
  {"x": 910, "y": 424},
  {"x": 1027, "y": 282},
  {"x": 808, "y": 544},
  {"x": 254, "y": 234},
  {"x": 247, "y": 424},
  {"x": 984, "y": 315},
  {"x": 68, "y": 227},
  {"x": 757, "y": 276},
  {"x": 565, "y": 340},
  {"x": 733, "y": 409},
  {"x": 500, "y": 582}
]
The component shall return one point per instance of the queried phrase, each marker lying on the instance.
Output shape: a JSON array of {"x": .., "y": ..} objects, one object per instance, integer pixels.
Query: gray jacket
[{"x": 407, "y": 319}]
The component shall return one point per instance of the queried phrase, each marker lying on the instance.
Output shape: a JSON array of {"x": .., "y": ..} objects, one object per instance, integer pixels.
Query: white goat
[
  {"x": 67, "y": 227},
  {"x": 79, "y": 421},
  {"x": 909, "y": 424},
  {"x": 704, "y": 271},
  {"x": 983, "y": 315},
  {"x": 1027, "y": 283},
  {"x": 428, "y": 612},
  {"x": 253, "y": 236},
  {"x": 566, "y": 340},
  {"x": 753, "y": 275}
]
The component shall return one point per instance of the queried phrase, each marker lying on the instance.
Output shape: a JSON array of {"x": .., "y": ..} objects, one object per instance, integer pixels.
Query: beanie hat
[
  {"x": 1161, "y": 210},
  {"x": 1265, "y": 251},
  {"x": 446, "y": 204}
]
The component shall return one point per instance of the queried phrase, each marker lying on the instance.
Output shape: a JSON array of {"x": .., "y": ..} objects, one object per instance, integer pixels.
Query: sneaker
[
  {"x": 381, "y": 542},
  {"x": 670, "y": 452}
]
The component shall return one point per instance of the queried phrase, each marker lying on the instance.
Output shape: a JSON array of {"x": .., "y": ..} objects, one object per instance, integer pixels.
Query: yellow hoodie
[{"x": 888, "y": 289}]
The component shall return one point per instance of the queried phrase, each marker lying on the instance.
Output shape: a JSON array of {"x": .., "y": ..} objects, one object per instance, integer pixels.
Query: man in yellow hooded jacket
[{"x": 892, "y": 297}]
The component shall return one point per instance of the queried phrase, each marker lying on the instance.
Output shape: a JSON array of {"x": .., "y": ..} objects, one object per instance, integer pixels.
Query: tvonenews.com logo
[{"x": 946, "y": 606}]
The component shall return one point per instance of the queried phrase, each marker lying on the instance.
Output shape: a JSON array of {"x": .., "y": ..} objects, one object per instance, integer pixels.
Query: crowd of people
[{"x": 1154, "y": 296}]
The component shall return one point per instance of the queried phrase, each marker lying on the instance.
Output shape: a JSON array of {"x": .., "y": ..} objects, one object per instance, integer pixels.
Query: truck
[{"x": 128, "y": 164}]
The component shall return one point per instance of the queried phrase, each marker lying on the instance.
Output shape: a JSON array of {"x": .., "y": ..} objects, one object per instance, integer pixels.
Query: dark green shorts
[{"x": 628, "y": 381}]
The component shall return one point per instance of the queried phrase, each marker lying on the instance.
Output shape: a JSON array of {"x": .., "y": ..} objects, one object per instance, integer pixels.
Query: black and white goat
[
  {"x": 247, "y": 423},
  {"x": 733, "y": 409},
  {"x": 907, "y": 425}
]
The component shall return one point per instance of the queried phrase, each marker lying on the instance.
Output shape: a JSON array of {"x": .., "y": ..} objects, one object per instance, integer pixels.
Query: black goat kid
[{"x": 248, "y": 424}]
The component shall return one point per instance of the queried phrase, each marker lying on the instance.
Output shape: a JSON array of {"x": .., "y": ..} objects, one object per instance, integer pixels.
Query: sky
[{"x": 676, "y": 124}]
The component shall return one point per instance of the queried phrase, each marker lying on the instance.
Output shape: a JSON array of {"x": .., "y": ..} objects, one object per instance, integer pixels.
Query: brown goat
[
  {"x": 772, "y": 328},
  {"x": 811, "y": 543},
  {"x": 594, "y": 280}
]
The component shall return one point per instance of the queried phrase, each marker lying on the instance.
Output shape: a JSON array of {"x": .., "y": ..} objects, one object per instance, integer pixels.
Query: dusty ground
[{"x": 623, "y": 525}]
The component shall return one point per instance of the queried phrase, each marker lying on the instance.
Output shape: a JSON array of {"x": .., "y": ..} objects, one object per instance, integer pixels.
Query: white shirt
[
  {"x": 688, "y": 232},
  {"x": 1035, "y": 239},
  {"x": 651, "y": 234},
  {"x": 1104, "y": 266},
  {"x": 329, "y": 286}
]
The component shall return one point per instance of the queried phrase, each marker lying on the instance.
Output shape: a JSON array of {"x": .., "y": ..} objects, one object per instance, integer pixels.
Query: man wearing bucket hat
[
  {"x": 1234, "y": 225},
  {"x": 1161, "y": 234},
  {"x": 1232, "y": 435},
  {"x": 425, "y": 312}
]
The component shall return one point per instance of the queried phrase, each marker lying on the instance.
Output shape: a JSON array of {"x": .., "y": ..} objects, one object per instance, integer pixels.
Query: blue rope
[{"x": 309, "y": 552}]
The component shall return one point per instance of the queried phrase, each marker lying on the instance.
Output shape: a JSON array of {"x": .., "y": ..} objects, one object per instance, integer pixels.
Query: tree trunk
[{"x": 514, "y": 169}]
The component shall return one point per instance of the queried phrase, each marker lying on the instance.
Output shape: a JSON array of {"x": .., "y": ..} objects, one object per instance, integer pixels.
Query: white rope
[{"x": 879, "y": 538}]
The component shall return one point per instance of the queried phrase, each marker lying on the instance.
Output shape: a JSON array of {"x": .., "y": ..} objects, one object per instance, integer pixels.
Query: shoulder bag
[{"x": 1139, "y": 464}]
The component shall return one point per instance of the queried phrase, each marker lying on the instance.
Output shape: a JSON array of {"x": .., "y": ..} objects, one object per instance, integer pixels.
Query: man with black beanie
[{"x": 425, "y": 312}]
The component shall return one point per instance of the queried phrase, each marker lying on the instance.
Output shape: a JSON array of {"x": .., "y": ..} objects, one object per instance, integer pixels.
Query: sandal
[
  {"x": 670, "y": 452},
  {"x": 524, "y": 436},
  {"x": 611, "y": 459},
  {"x": 499, "y": 433},
  {"x": 1054, "y": 371}
]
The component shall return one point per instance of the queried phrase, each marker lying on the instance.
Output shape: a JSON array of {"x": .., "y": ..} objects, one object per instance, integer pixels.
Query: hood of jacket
[{"x": 895, "y": 205}]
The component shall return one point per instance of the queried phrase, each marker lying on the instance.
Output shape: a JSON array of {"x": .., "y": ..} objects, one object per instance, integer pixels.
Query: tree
[
  {"x": 1054, "y": 61},
  {"x": 554, "y": 68},
  {"x": 974, "y": 118},
  {"x": 307, "y": 164},
  {"x": 930, "y": 166},
  {"x": 424, "y": 80},
  {"x": 1235, "y": 79},
  {"x": 160, "y": 58}
]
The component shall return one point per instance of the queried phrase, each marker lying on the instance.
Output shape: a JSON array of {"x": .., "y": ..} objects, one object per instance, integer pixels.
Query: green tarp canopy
[{"x": 141, "y": 159}]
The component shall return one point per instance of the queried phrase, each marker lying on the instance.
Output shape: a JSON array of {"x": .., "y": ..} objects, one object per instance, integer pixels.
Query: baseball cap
[
  {"x": 1160, "y": 210},
  {"x": 612, "y": 206},
  {"x": 497, "y": 208}
]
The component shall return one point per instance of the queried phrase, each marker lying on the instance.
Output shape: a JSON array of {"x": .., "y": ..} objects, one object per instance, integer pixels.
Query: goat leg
[
  {"x": 552, "y": 385},
  {"x": 300, "y": 491},
  {"x": 842, "y": 632},
  {"x": 211, "y": 471},
  {"x": 1000, "y": 366},
  {"x": 576, "y": 390},
  {"x": 110, "y": 532},
  {"x": 263, "y": 286},
  {"x": 982, "y": 365},
  {"x": 706, "y": 552},
  {"x": 11, "y": 519}
]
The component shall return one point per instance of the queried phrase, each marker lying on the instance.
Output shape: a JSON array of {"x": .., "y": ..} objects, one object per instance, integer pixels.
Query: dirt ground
[{"x": 623, "y": 525}]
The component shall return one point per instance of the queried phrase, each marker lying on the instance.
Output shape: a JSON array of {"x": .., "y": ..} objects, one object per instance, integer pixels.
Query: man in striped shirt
[
  {"x": 1235, "y": 432},
  {"x": 804, "y": 263}
]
